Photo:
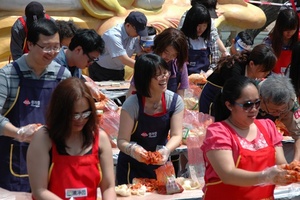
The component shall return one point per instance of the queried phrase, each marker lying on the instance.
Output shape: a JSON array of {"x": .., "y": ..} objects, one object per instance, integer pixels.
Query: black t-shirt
[{"x": 225, "y": 73}]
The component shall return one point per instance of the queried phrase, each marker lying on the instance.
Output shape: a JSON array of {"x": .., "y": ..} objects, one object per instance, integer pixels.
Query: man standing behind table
[
  {"x": 84, "y": 49},
  {"x": 25, "y": 90},
  {"x": 19, "y": 31},
  {"x": 121, "y": 42}
]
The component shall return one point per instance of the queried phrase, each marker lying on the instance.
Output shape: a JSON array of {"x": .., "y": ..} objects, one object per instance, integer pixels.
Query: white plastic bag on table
[{"x": 194, "y": 141}]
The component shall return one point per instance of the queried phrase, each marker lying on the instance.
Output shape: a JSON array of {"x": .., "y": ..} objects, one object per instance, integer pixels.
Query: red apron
[
  {"x": 251, "y": 161},
  {"x": 283, "y": 61},
  {"x": 75, "y": 176}
]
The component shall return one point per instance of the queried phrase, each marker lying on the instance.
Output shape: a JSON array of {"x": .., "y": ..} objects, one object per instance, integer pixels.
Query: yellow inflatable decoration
[{"x": 103, "y": 14}]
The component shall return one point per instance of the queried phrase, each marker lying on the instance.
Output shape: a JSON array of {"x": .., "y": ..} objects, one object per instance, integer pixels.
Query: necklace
[{"x": 238, "y": 127}]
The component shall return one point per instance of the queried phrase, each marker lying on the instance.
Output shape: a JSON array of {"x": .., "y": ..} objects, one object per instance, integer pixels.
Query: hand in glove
[
  {"x": 25, "y": 133},
  {"x": 275, "y": 176},
  {"x": 165, "y": 152},
  {"x": 137, "y": 152}
]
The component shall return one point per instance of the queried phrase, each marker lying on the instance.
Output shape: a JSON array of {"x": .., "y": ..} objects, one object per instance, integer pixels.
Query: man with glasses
[
  {"x": 84, "y": 49},
  {"x": 25, "y": 90},
  {"x": 279, "y": 102},
  {"x": 121, "y": 42}
]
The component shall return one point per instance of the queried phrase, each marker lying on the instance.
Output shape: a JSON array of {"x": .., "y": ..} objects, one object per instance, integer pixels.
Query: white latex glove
[
  {"x": 25, "y": 133},
  {"x": 165, "y": 152},
  {"x": 275, "y": 176},
  {"x": 136, "y": 151}
]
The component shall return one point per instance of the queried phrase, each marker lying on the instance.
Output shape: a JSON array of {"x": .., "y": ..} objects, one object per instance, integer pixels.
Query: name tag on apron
[{"x": 76, "y": 192}]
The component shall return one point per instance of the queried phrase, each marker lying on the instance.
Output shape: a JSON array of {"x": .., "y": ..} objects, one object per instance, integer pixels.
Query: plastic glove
[
  {"x": 25, "y": 133},
  {"x": 275, "y": 176},
  {"x": 165, "y": 152},
  {"x": 137, "y": 152}
]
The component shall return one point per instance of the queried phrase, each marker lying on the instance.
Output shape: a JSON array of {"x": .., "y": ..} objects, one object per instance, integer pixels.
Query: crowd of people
[{"x": 50, "y": 143}]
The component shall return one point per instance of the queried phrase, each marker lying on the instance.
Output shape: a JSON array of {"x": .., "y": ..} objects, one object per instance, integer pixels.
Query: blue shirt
[
  {"x": 117, "y": 43},
  {"x": 62, "y": 60}
]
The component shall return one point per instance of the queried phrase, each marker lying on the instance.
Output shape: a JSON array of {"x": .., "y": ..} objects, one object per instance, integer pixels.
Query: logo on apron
[
  {"x": 26, "y": 102},
  {"x": 32, "y": 103}
]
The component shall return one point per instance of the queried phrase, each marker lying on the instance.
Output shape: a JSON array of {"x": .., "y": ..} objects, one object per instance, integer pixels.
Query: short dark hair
[
  {"x": 197, "y": 14},
  {"x": 230, "y": 92},
  {"x": 89, "y": 40},
  {"x": 42, "y": 26},
  {"x": 66, "y": 29},
  {"x": 60, "y": 112},
  {"x": 175, "y": 38},
  {"x": 145, "y": 69},
  {"x": 151, "y": 30},
  {"x": 263, "y": 55},
  {"x": 207, "y": 3}
]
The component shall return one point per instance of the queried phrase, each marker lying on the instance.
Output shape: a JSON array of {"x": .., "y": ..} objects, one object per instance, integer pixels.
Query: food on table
[
  {"x": 188, "y": 184},
  {"x": 123, "y": 190},
  {"x": 150, "y": 184},
  {"x": 293, "y": 171},
  {"x": 130, "y": 189}
]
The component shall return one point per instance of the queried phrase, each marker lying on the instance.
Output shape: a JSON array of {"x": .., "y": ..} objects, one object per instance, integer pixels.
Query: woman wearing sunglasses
[
  {"x": 255, "y": 64},
  {"x": 65, "y": 156},
  {"x": 240, "y": 152},
  {"x": 146, "y": 119}
]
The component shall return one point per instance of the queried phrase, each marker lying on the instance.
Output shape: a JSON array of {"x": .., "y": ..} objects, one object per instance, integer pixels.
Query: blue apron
[
  {"x": 29, "y": 107},
  {"x": 198, "y": 60},
  {"x": 150, "y": 132},
  {"x": 207, "y": 97},
  {"x": 175, "y": 77}
]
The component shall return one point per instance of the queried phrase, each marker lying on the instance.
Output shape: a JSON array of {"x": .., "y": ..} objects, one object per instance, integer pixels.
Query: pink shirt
[{"x": 219, "y": 137}]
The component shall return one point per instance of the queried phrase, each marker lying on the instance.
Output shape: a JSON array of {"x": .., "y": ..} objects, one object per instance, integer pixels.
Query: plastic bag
[
  {"x": 103, "y": 103},
  {"x": 166, "y": 180},
  {"x": 109, "y": 122},
  {"x": 195, "y": 123}
]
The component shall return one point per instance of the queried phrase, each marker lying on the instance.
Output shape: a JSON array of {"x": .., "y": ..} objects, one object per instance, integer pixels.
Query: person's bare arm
[
  {"x": 126, "y": 60},
  {"x": 107, "y": 185},
  {"x": 175, "y": 131},
  {"x": 38, "y": 161},
  {"x": 280, "y": 159},
  {"x": 297, "y": 149},
  {"x": 125, "y": 129},
  {"x": 223, "y": 163}
]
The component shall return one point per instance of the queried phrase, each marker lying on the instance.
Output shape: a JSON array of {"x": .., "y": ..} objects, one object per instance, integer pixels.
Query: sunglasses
[
  {"x": 83, "y": 115},
  {"x": 249, "y": 105}
]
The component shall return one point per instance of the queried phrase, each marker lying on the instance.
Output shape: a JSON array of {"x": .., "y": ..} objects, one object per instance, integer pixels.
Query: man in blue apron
[
  {"x": 84, "y": 49},
  {"x": 26, "y": 87}
]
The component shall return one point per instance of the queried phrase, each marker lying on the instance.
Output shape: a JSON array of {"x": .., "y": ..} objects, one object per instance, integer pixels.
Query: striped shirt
[{"x": 9, "y": 82}]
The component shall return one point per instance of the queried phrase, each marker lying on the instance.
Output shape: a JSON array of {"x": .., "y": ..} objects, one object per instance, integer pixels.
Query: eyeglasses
[
  {"x": 275, "y": 112},
  {"x": 83, "y": 115},
  {"x": 49, "y": 49},
  {"x": 161, "y": 76},
  {"x": 249, "y": 105},
  {"x": 91, "y": 59}
]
